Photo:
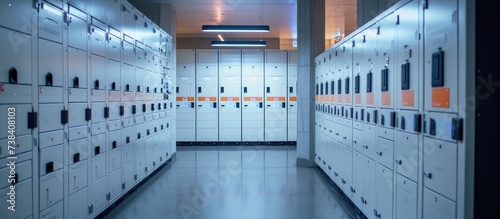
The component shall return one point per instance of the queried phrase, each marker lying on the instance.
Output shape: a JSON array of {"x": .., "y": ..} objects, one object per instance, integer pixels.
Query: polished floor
[{"x": 235, "y": 182}]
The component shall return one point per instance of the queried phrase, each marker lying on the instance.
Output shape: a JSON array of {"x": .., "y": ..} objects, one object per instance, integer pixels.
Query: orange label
[
  {"x": 293, "y": 98},
  {"x": 317, "y": 98},
  {"x": 207, "y": 99},
  {"x": 332, "y": 98},
  {"x": 280, "y": 99},
  {"x": 252, "y": 99},
  {"x": 347, "y": 98},
  {"x": 369, "y": 99},
  {"x": 357, "y": 98},
  {"x": 386, "y": 98},
  {"x": 339, "y": 98},
  {"x": 229, "y": 99},
  {"x": 408, "y": 98},
  {"x": 191, "y": 99},
  {"x": 441, "y": 97}
]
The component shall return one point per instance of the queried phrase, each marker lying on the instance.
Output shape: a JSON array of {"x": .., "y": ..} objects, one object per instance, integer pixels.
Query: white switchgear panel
[
  {"x": 185, "y": 91},
  {"x": 275, "y": 96},
  {"x": 292, "y": 96},
  {"x": 252, "y": 120},
  {"x": 207, "y": 113},
  {"x": 230, "y": 95}
]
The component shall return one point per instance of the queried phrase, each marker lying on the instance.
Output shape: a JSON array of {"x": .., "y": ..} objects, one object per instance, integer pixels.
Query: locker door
[
  {"x": 357, "y": 177},
  {"x": 77, "y": 69},
  {"x": 97, "y": 38},
  {"x": 385, "y": 191},
  {"x": 50, "y": 22},
  {"x": 292, "y": 96},
  {"x": 440, "y": 167},
  {"x": 114, "y": 82},
  {"x": 98, "y": 73},
  {"x": 406, "y": 198},
  {"x": 385, "y": 152},
  {"x": 113, "y": 11},
  {"x": 98, "y": 195},
  {"x": 437, "y": 206},
  {"x": 78, "y": 205},
  {"x": 369, "y": 187},
  {"x": 24, "y": 194},
  {"x": 17, "y": 12},
  {"x": 77, "y": 29},
  {"x": 385, "y": 61},
  {"x": 115, "y": 184},
  {"x": 51, "y": 189},
  {"x": 50, "y": 69},
  {"x": 77, "y": 177},
  {"x": 407, "y": 155},
  {"x": 15, "y": 56},
  {"x": 347, "y": 169}
]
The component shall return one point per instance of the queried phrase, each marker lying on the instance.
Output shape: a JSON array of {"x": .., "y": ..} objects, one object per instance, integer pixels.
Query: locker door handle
[
  {"x": 199, "y": 89},
  {"x": 428, "y": 175},
  {"x": 432, "y": 128},
  {"x": 385, "y": 80},
  {"x": 376, "y": 214},
  {"x": 177, "y": 90},
  {"x": 96, "y": 84},
  {"x": 113, "y": 86},
  {"x": 76, "y": 82},
  {"x": 192, "y": 104},
  {"x": 127, "y": 139},
  {"x": 106, "y": 112},
  {"x": 417, "y": 123},
  {"x": 438, "y": 69},
  {"x": 369, "y": 82},
  {"x": 221, "y": 90},
  {"x": 237, "y": 105},
  {"x": 291, "y": 90},
  {"x": 403, "y": 123},
  {"x": 245, "y": 90},
  {"x": 260, "y": 104},
  {"x": 365, "y": 146},
  {"x": 147, "y": 89},
  {"x": 134, "y": 109},
  {"x": 64, "y": 117},
  {"x": 214, "y": 105},
  {"x": 283, "y": 105},
  {"x": 400, "y": 162},
  {"x": 49, "y": 79},
  {"x": 405, "y": 76},
  {"x": 268, "y": 89},
  {"x": 138, "y": 88},
  {"x": 143, "y": 108},
  {"x": 49, "y": 167},
  {"x": 12, "y": 75},
  {"x": 379, "y": 153},
  {"x": 76, "y": 157},
  {"x": 113, "y": 145},
  {"x": 127, "y": 87},
  {"x": 122, "y": 110},
  {"x": 88, "y": 114}
]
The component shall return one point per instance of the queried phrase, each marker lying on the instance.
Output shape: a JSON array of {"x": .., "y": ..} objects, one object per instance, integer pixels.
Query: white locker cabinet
[
  {"x": 359, "y": 71},
  {"x": 387, "y": 118},
  {"x": 97, "y": 8},
  {"x": 406, "y": 155},
  {"x": 207, "y": 128},
  {"x": 408, "y": 76},
  {"x": 128, "y": 175},
  {"x": 23, "y": 144},
  {"x": 51, "y": 159},
  {"x": 437, "y": 206},
  {"x": 51, "y": 189},
  {"x": 292, "y": 96},
  {"x": 369, "y": 189},
  {"x": 139, "y": 80},
  {"x": 50, "y": 67},
  {"x": 128, "y": 18},
  {"x": 22, "y": 168},
  {"x": 113, "y": 12},
  {"x": 50, "y": 22},
  {"x": 78, "y": 205},
  {"x": 77, "y": 112},
  {"x": 128, "y": 54},
  {"x": 128, "y": 153},
  {"x": 54, "y": 212},
  {"x": 98, "y": 196},
  {"x": 357, "y": 177},
  {"x": 347, "y": 170},
  {"x": 98, "y": 144},
  {"x": 77, "y": 176},
  {"x": 185, "y": 95},
  {"x": 115, "y": 159},
  {"x": 253, "y": 110},
  {"x": 78, "y": 132},
  {"x": 385, "y": 191},
  {"x": 98, "y": 128},
  {"x": 440, "y": 167},
  {"x": 77, "y": 70},
  {"x": 99, "y": 112},
  {"x": 140, "y": 54},
  {"x": 406, "y": 198},
  {"x": 78, "y": 150},
  {"x": 275, "y": 93},
  {"x": 114, "y": 140},
  {"x": 77, "y": 29},
  {"x": 115, "y": 184},
  {"x": 115, "y": 110},
  {"x": 128, "y": 78},
  {"x": 98, "y": 73},
  {"x": 114, "y": 73},
  {"x": 17, "y": 12},
  {"x": 24, "y": 195},
  {"x": 13, "y": 67},
  {"x": 128, "y": 109},
  {"x": 369, "y": 141},
  {"x": 97, "y": 38},
  {"x": 372, "y": 72},
  {"x": 48, "y": 139},
  {"x": 230, "y": 95},
  {"x": 385, "y": 61},
  {"x": 21, "y": 120},
  {"x": 98, "y": 167},
  {"x": 441, "y": 57},
  {"x": 385, "y": 152},
  {"x": 140, "y": 164},
  {"x": 337, "y": 161}
]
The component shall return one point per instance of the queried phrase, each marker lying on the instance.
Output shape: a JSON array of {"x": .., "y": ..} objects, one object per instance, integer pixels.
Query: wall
[{"x": 205, "y": 43}]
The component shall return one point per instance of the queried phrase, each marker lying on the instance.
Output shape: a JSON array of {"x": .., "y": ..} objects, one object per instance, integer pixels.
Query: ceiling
[{"x": 281, "y": 15}]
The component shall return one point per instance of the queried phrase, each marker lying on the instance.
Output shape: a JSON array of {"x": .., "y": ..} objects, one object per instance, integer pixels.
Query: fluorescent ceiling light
[
  {"x": 239, "y": 43},
  {"x": 235, "y": 28},
  {"x": 220, "y": 37}
]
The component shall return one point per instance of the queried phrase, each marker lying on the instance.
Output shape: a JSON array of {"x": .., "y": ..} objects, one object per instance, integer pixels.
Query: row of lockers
[
  {"x": 236, "y": 95},
  {"x": 89, "y": 84},
  {"x": 388, "y": 129}
]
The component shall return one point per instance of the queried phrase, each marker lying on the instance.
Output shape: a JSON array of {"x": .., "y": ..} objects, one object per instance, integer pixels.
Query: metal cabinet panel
[
  {"x": 77, "y": 32},
  {"x": 347, "y": 170},
  {"x": 369, "y": 141},
  {"x": 140, "y": 165},
  {"x": 77, "y": 114},
  {"x": 51, "y": 189},
  {"x": 97, "y": 40},
  {"x": 387, "y": 120},
  {"x": 78, "y": 150},
  {"x": 98, "y": 72},
  {"x": 369, "y": 188},
  {"x": 139, "y": 80},
  {"x": 50, "y": 22},
  {"x": 114, "y": 110},
  {"x": 51, "y": 159},
  {"x": 78, "y": 132},
  {"x": 128, "y": 153},
  {"x": 19, "y": 14},
  {"x": 115, "y": 159},
  {"x": 128, "y": 175},
  {"x": 140, "y": 55},
  {"x": 115, "y": 183},
  {"x": 98, "y": 112},
  {"x": 77, "y": 176},
  {"x": 54, "y": 212},
  {"x": 51, "y": 138},
  {"x": 23, "y": 144},
  {"x": 15, "y": 55},
  {"x": 128, "y": 51},
  {"x": 357, "y": 140},
  {"x": 128, "y": 78},
  {"x": 113, "y": 11},
  {"x": 114, "y": 139},
  {"x": 21, "y": 120},
  {"x": 15, "y": 94},
  {"x": 385, "y": 191},
  {"x": 50, "y": 95},
  {"x": 98, "y": 141},
  {"x": 78, "y": 205},
  {"x": 98, "y": 194},
  {"x": 77, "y": 68},
  {"x": 440, "y": 167},
  {"x": 50, "y": 55},
  {"x": 439, "y": 125},
  {"x": 114, "y": 74},
  {"x": 24, "y": 195},
  {"x": 385, "y": 153},
  {"x": 437, "y": 206},
  {"x": 98, "y": 128},
  {"x": 98, "y": 167},
  {"x": 357, "y": 177},
  {"x": 406, "y": 198},
  {"x": 406, "y": 155},
  {"x": 22, "y": 168}
]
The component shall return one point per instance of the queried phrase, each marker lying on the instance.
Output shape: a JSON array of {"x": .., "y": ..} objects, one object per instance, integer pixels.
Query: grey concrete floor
[{"x": 234, "y": 182}]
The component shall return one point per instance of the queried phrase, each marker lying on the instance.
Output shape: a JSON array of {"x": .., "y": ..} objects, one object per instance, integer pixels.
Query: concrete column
[
  {"x": 368, "y": 9},
  {"x": 310, "y": 43}
]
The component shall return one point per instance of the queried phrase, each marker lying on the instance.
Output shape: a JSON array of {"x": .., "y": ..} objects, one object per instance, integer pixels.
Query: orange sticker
[
  {"x": 339, "y": 98},
  {"x": 252, "y": 99},
  {"x": 185, "y": 99},
  {"x": 317, "y": 98},
  {"x": 280, "y": 99},
  {"x": 229, "y": 99},
  {"x": 332, "y": 98},
  {"x": 179, "y": 98},
  {"x": 347, "y": 98},
  {"x": 293, "y": 98},
  {"x": 441, "y": 97},
  {"x": 408, "y": 98},
  {"x": 386, "y": 98},
  {"x": 357, "y": 98},
  {"x": 207, "y": 99},
  {"x": 369, "y": 99}
]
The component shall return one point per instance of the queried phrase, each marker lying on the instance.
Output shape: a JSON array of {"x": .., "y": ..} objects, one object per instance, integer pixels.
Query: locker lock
[
  {"x": 13, "y": 75},
  {"x": 96, "y": 84},
  {"x": 113, "y": 86},
  {"x": 428, "y": 175},
  {"x": 76, "y": 82},
  {"x": 49, "y": 79}
]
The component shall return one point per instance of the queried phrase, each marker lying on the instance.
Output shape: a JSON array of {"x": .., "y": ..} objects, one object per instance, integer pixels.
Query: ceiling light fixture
[
  {"x": 220, "y": 37},
  {"x": 235, "y": 28},
  {"x": 240, "y": 43}
]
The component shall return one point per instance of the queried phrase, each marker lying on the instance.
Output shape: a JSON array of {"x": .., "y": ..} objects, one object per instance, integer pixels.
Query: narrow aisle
[{"x": 234, "y": 182}]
